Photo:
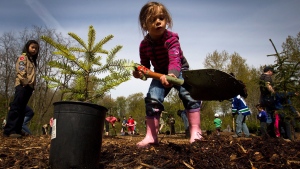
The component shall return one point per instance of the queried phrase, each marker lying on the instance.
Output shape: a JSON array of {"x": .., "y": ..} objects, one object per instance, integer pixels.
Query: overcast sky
[{"x": 238, "y": 26}]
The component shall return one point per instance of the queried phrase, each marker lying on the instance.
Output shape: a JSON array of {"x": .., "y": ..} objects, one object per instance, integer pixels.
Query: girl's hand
[
  {"x": 164, "y": 80},
  {"x": 137, "y": 74}
]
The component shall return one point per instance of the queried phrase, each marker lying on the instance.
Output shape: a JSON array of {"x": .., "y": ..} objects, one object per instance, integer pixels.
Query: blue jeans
[
  {"x": 26, "y": 121},
  {"x": 28, "y": 116},
  {"x": 157, "y": 93},
  {"x": 185, "y": 120},
  {"x": 241, "y": 126}
]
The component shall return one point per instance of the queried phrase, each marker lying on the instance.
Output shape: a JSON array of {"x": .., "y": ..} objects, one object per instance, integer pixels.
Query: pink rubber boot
[
  {"x": 194, "y": 125},
  {"x": 152, "y": 124}
]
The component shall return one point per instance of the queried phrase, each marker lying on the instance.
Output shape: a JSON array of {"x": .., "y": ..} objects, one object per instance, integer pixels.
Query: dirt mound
[{"x": 173, "y": 152}]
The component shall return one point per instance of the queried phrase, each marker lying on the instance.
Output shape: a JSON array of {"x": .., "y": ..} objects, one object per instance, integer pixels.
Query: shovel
[
  {"x": 203, "y": 84},
  {"x": 233, "y": 124}
]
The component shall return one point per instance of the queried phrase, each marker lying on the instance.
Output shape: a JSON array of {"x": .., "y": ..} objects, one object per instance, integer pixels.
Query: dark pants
[
  {"x": 16, "y": 114},
  {"x": 263, "y": 129},
  {"x": 172, "y": 129},
  {"x": 268, "y": 103},
  {"x": 106, "y": 126},
  {"x": 270, "y": 127},
  {"x": 289, "y": 127}
]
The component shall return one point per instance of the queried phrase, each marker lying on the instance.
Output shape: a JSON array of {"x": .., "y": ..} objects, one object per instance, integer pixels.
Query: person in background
[
  {"x": 267, "y": 96},
  {"x": 45, "y": 129},
  {"x": 25, "y": 82},
  {"x": 134, "y": 129},
  {"x": 124, "y": 126},
  {"x": 218, "y": 123},
  {"x": 240, "y": 108},
  {"x": 3, "y": 122},
  {"x": 28, "y": 116},
  {"x": 285, "y": 114},
  {"x": 51, "y": 125},
  {"x": 161, "y": 49},
  {"x": 262, "y": 116},
  {"x": 130, "y": 124},
  {"x": 171, "y": 122},
  {"x": 161, "y": 124},
  {"x": 110, "y": 119},
  {"x": 182, "y": 115}
]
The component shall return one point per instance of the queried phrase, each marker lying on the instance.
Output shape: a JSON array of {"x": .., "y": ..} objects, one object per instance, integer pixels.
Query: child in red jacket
[{"x": 130, "y": 124}]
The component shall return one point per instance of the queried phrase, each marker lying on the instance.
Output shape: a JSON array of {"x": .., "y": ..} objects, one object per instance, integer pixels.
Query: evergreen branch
[
  {"x": 62, "y": 50},
  {"x": 54, "y": 82},
  {"x": 91, "y": 38},
  {"x": 80, "y": 81},
  {"x": 65, "y": 68},
  {"x": 78, "y": 39},
  {"x": 129, "y": 65},
  {"x": 112, "y": 54},
  {"x": 76, "y": 49},
  {"x": 110, "y": 83},
  {"x": 97, "y": 60},
  {"x": 84, "y": 65},
  {"x": 98, "y": 47},
  {"x": 69, "y": 56}
]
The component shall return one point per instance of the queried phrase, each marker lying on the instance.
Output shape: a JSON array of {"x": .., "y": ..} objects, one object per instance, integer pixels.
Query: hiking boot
[
  {"x": 13, "y": 135},
  {"x": 23, "y": 133}
]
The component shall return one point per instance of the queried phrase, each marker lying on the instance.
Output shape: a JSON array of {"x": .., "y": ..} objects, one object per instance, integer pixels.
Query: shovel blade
[{"x": 211, "y": 84}]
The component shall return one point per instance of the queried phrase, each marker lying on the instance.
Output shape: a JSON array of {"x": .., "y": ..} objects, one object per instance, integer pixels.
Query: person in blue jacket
[
  {"x": 262, "y": 116},
  {"x": 287, "y": 113},
  {"x": 240, "y": 108}
]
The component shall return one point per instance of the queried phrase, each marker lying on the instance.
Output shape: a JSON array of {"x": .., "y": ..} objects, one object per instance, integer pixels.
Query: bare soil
[{"x": 174, "y": 151}]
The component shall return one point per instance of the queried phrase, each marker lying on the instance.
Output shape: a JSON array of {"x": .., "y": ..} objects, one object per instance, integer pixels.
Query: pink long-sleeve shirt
[
  {"x": 111, "y": 120},
  {"x": 164, "y": 55}
]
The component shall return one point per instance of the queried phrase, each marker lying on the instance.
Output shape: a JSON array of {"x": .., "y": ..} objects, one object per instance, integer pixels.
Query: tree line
[{"x": 11, "y": 44}]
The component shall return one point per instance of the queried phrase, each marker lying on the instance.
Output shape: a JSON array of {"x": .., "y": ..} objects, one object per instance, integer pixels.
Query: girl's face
[
  {"x": 156, "y": 25},
  {"x": 33, "y": 49}
]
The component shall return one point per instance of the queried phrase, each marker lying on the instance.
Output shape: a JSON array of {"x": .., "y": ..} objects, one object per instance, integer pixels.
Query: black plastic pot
[{"x": 76, "y": 137}]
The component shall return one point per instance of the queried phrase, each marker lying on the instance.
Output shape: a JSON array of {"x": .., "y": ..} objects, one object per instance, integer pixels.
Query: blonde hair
[{"x": 150, "y": 9}]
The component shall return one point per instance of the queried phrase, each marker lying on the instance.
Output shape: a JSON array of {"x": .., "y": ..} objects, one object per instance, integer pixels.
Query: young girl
[
  {"x": 24, "y": 86},
  {"x": 161, "y": 49}
]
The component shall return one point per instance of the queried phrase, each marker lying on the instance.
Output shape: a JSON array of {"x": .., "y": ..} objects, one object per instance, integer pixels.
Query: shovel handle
[
  {"x": 233, "y": 124},
  {"x": 148, "y": 73}
]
